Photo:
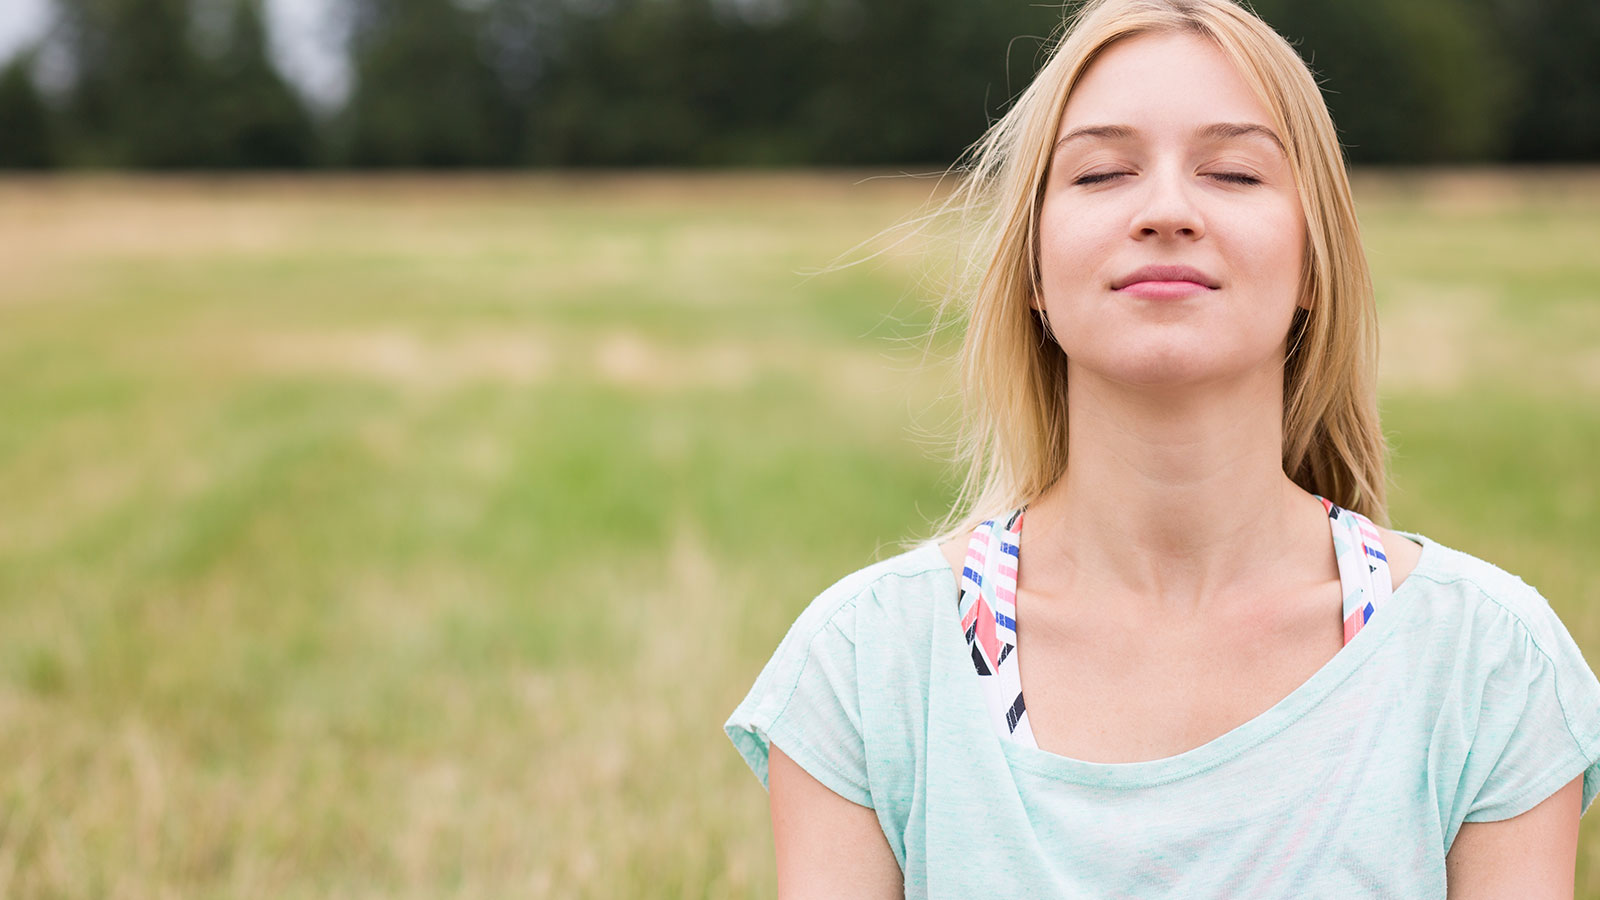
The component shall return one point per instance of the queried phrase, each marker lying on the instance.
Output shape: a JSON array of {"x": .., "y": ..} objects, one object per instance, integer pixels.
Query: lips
[{"x": 1166, "y": 274}]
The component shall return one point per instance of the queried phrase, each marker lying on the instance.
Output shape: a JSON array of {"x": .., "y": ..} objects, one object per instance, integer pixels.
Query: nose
[{"x": 1167, "y": 210}]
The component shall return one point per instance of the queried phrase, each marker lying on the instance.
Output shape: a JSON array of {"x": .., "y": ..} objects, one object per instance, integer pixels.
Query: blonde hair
[{"x": 1014, "y": 377}]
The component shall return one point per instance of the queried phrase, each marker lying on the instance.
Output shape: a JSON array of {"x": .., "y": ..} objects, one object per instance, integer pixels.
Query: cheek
[
  {"x": 1292, "y": 242},
  {"x": 1275, "y": 247},
  {"x": 1071, "y": 248}
]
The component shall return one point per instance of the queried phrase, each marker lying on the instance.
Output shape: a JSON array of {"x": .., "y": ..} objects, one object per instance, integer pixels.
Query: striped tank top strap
[
  {"x": 1364, "y": 577},
  {"x": 988, "y": 608}
]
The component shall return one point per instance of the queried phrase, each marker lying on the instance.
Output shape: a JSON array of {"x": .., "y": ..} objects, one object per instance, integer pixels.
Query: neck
[{"x": 1164, "y": 495}]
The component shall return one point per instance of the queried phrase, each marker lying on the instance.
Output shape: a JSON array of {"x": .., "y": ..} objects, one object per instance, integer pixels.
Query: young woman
[{"x": 1166, "y": 652}]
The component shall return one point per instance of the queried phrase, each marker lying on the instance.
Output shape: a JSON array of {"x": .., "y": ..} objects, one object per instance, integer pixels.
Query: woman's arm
[
  {"x": 1530, "y": 857},
  {"x": 827, "y": 847}
]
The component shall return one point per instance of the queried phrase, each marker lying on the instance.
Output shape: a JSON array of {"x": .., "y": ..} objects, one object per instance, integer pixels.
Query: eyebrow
[{"x": 1217, "y": 131}]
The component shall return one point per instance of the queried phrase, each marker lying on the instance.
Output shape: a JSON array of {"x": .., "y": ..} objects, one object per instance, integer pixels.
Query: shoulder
[
  {"x": 1482, "y": 595},
  {"x": 954, "y": 552},
  {"x": 920, "y": 566},
  {"x": 868, "y": 629},
  {"x": 1513, "y": 705},
  {"x": 1401, "y": 552},
  {"x": 1494, "y": 643},
  {"x": 906, "y": 585}
]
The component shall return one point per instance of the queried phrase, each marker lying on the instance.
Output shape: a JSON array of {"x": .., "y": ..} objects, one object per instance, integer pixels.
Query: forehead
[{"x": 1166, "y": 83}]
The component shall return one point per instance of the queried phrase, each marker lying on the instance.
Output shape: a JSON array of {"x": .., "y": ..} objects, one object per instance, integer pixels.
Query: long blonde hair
[{"x": 1014, "y": 378}]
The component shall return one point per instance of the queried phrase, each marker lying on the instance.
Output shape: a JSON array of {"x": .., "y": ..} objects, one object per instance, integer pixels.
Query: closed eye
[
  {"x": 1097, "y": 179},
  {"x": 1229, "y": 177}
]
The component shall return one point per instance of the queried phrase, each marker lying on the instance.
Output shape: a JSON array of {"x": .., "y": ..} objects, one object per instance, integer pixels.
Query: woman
[{"x": 1214, "y": 676}]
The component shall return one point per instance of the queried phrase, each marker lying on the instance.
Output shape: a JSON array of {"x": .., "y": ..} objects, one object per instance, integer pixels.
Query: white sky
[
  {"x": 21, "y": 21},
  {"x": 306, "y": 44}
]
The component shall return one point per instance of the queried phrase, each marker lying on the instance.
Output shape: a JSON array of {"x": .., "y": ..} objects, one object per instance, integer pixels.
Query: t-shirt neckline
[{"x": 1215, "y": 752}]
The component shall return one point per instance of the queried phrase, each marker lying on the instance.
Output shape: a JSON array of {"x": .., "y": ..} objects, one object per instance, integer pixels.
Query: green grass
[{"x": 413, "y": 538}]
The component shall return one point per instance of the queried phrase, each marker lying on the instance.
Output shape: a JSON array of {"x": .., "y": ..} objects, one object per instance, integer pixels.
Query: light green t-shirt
[{"x": 1463, "y": 700}]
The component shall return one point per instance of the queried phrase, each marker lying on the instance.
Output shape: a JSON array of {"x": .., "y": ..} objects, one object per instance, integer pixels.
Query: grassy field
[{"x": 413, "y": 538}]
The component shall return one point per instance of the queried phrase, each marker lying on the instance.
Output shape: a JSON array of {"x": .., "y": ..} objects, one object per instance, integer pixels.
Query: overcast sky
[
  {"x": 305, "y": 44},
  {"x": 22, "y": 21}
]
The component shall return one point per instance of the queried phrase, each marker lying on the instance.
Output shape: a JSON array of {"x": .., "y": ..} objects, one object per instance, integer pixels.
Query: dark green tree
[
  {"x": 27, "y": 124},
  {"x": 638, "y": 82},
  {"x": 919, "y": 81},
  {"x": 1556, "y": 48},
  {"x": 808, "y": 81},
  {"x": 720, "y": 82},
  {"x": 425, "y": 94},
  {"x": 253, "y": 118},
  {"x": 138, "y": 97},
  {"x": 1419, "y": 81}
]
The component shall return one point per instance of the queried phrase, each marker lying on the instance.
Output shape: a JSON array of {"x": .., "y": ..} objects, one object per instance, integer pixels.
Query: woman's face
[{"x": 1166, "y": 159}]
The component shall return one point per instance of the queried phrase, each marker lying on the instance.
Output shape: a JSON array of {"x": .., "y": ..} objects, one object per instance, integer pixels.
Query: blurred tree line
[{"x": 190, "y": 83}]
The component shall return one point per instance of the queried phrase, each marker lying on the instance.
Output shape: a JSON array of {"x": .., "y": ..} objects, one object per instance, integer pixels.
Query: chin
[
  {"x": 1165, "y": 374},
  {"x": 1174, "y": 367}
]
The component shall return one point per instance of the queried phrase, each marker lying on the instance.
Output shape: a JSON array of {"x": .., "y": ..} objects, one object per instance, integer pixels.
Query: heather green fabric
[{"x": 1463, "y": 700}]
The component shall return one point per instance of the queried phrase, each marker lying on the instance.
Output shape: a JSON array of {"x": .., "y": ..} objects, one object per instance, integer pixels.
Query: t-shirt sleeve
[
  {"x": 1537, "y": 717},
  {"x": 806, "y": 700}
]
